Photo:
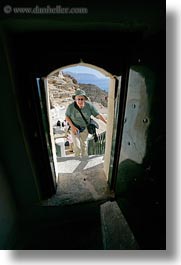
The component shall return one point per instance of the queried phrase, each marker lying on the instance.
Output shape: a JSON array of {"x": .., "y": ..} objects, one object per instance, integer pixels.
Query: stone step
[
  {"x": 116, "y": 232},
  {"x": 80, "y": 180}
]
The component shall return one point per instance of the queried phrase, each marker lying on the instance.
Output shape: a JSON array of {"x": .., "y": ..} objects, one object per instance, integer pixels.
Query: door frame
[
  {"x": 117, "y": 90},
  {"x": 47, "y": 179},
  {"x": 121, "y": 87}
]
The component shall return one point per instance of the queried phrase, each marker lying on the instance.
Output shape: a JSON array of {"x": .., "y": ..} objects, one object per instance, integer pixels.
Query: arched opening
[{"x": 92, "y": 171}]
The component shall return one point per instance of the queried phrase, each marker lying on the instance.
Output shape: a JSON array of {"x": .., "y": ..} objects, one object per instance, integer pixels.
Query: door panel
[
  {"x": 114, "y": 134},
  {"x": 51, "y": 128},
  {"x": 44, "y": 116},
  {"x": 136, "y": 142},
  {"x": 120, "y": 104}
]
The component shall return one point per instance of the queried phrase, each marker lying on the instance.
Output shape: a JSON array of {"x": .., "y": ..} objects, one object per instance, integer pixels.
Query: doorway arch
[{"x": 110, "y": 116}]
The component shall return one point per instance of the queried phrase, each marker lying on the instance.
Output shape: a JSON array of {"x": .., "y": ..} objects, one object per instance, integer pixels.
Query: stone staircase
[
  {"x": 80, "y": 180},
  {"x": 83, "y": 215},
  {"x": 116, "y": 233}
]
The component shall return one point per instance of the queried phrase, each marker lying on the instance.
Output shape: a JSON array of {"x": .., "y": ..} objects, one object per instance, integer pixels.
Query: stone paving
[{"x": 80, "y": 180}]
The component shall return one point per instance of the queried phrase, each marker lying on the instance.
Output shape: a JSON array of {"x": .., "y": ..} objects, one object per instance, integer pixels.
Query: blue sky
[{"x": 84, "y": 69}]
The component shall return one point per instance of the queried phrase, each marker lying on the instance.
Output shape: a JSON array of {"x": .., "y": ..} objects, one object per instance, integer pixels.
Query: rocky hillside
[
  {"x": 62, "y": 87},
  {"x": 95, "y": 94}
]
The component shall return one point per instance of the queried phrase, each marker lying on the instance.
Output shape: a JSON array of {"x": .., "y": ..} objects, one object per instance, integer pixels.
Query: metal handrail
[{"x": 97, "y": 148}]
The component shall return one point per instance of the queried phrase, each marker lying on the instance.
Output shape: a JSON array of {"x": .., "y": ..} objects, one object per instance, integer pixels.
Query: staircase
[
  {"x": 83, "y": 214},
  {"x": 80, "y": 180}
]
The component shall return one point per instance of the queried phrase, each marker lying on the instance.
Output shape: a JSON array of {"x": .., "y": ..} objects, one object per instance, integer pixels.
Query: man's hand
[
  {"x": 74, "y": 129},
  {"x": 101, "y": 117}
]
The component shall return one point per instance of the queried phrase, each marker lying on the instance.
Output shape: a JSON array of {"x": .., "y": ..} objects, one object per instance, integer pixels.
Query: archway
[
  {"x": 110, "y": 106},
  {"x": 94, "y": 161}
]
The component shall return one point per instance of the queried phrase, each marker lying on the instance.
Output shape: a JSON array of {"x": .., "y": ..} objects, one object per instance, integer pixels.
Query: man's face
[{"x": 80, "y": 100}]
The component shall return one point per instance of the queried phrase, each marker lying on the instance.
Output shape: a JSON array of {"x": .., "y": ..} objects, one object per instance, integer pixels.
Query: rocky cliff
[
  {"x": 62, "y": 87},
  {"x": 95, "y": 94}
]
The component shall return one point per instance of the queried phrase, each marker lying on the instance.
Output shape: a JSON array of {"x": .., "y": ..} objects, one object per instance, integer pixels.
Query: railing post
[{"x": 97, "y": 148}]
